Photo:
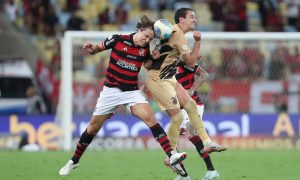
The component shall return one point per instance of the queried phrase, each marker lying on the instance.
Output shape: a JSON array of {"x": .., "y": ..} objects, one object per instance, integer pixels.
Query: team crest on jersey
[
  {"x": 142, "y": 52},
  {"x": 125, "y": 48},
  {"x": 174, "y": 100}
]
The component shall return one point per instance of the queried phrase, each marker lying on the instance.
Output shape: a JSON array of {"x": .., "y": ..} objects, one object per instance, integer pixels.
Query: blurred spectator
[
  {"x": 33, "y": 15},
  {"x": 216, "y": 8},
  {"x": 75, "y": 22},
  {"x": 241, "y": 10},
  {"x": 265, "y": 6},
  {"x": 11, "y": 10},
  {"x": 144, "y": 4},
  {"x": 35, "y": 102},
  {"x": 46, "y": 4},
  {"x": 72, "y": 5},
  {"x": 121, "y": 14},
  {"x": 274, "y": 21},
  {"x": 293, "y": 12},
  {"x": 104, "y": 17},
  {"x": 280, "y": 100},
  {"x": 237, "y": 68},
  {"x": 231, "y": 18},
  {"x": 55, "y": 64},
  {"x": 162, "y": 5},
  {"x": 276, "y": 66},
  {"x": 50, "y": 22},
  {"x": 293, "y": 62},
  {"x": 255, "y": 62},
  {"x": 1, "y": 4}
]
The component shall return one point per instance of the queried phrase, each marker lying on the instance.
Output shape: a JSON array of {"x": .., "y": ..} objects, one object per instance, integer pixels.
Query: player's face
[
  {"x": 144, "y": 37},
  {"x": 190, "y": 20}
]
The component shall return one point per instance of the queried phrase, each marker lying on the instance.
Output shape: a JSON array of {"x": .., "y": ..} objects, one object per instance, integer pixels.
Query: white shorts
[
  {"x": 186, "y": 119},
  {"x": 111, "y": 98}
]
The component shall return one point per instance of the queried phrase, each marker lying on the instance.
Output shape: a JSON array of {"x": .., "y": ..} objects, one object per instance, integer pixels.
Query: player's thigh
[
  {"x": 182, "y": 95},
  {"x": 163, "y": 92},
  {"x": 96, "y": 122},
  {"x": 144, "y": 112}
]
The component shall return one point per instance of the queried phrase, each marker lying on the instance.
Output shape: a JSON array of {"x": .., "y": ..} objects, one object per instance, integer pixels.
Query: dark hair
[
  {"x": 181, "y": 13},
  {"x": 146, "y": 22}
]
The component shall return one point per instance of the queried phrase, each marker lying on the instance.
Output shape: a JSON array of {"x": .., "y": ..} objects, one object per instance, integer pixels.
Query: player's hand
[
  {"x": 89, "y": 47},
  {"x": 197, "y": 36},
  {"x": 155, "y": 54}
]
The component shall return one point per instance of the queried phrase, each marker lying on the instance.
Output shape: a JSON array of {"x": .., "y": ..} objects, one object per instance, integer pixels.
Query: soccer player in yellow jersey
[{"x": 167, "y": 92}]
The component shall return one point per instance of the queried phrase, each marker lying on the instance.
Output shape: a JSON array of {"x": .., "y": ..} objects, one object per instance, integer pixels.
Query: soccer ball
[{"x": 163, "y": 29}]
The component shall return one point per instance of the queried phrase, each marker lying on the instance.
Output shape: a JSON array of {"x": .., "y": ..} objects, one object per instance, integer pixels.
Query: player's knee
[
  {"x": 173, "y": 112},
  {"x": 150, "y": 120}
]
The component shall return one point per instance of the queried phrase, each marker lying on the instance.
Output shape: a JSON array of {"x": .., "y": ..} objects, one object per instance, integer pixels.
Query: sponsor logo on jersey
[
  {"x": 127, "y": 65},
  {"x": 130, "y": 56},
  {"x": 125, "y": 49},
  {"x": 128, "y": 43}
]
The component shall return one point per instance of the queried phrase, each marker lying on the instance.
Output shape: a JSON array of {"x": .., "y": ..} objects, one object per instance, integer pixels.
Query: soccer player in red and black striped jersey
[
  {"x": 186, "y": 77},
  {"x": 128, "y": 53}
]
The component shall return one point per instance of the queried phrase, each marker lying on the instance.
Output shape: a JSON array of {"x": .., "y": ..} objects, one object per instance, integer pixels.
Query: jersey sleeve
[
  {"x": 111, "y": 41},
  {"x": 188, "y": 68},
  {"x": 181, "y": 43}
]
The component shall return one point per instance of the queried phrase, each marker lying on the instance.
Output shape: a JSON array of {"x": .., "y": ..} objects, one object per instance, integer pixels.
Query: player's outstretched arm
[{"x": 93, "y": 48}]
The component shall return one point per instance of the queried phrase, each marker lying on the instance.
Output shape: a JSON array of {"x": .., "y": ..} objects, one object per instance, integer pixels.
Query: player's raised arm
[{"x": 190, "y": 58}]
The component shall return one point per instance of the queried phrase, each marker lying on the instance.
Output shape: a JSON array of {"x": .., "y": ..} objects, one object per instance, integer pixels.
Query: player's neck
[{"x": 183, "y": 28}]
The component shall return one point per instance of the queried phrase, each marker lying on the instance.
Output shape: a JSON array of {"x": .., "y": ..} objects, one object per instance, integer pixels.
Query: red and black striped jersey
[
  {"x": 125, "y": 63},
  {"x": 185, "y": 76}
]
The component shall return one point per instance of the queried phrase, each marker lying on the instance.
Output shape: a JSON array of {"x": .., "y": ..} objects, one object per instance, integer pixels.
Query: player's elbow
[
  {"x": 189, "y": 60},
  {"x": 190, "y": 63}
]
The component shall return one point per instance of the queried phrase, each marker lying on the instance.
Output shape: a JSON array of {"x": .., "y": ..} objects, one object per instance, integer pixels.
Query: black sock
[
  {"x": 84, "y": 141},
  {"x": 199, "y": 146},
  {"x": 160, "y": 135}
]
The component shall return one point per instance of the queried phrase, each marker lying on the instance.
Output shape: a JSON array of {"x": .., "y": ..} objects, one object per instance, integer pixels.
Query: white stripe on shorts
[{"x": 111, "y": 98}]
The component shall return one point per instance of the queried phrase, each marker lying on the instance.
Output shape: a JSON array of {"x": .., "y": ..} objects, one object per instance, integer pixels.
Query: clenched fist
[{"x": 197, "y": 36}]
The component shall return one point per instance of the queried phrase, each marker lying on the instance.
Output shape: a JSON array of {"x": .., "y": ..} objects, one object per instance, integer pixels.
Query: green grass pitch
[{"x": 148, "y": 165}]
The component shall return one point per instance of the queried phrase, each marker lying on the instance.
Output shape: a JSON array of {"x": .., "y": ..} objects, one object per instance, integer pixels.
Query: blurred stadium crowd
[{"x": 45, "y": 21}]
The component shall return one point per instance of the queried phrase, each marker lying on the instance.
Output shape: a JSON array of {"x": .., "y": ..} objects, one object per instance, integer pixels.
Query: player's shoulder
[
  {"x": 125, "y": 36},
  {"x": 177, "y": 31}
]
